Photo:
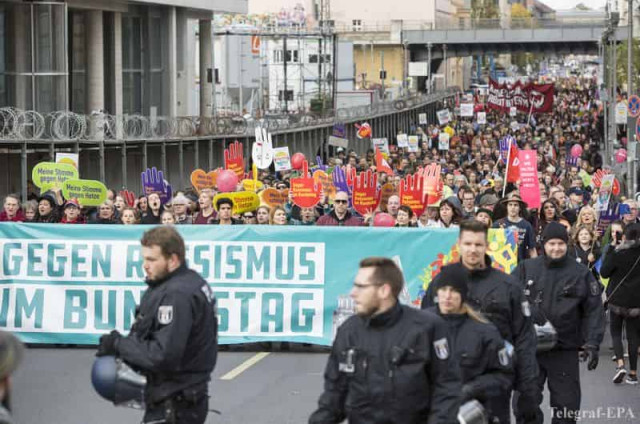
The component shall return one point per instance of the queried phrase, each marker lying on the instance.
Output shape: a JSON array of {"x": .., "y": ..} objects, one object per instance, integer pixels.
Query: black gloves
[
  {"x": 108, "y": 344},
  {"x": 526, "y": 408},
  {"x": 591, "y": 356}
]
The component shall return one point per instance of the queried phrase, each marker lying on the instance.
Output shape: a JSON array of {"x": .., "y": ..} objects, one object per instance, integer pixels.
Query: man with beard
[
  {"x": 174, "y": 340},
  {"x": 389, "y": 362}
]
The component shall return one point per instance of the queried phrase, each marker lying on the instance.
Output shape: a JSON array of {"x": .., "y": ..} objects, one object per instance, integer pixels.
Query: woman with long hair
[
  {"x": 262, "y": 215},
  {"x": 585, "y": 248},
  {"x": 278, "y": 216},
  {"x": 207, "y": 212},
  {"x": 587, "y": 218}
]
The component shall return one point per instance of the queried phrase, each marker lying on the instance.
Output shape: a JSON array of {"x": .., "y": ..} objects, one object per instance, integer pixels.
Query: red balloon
[
  {"x": 621, "y": 155},
  {"x": 296, "y": 160},
  {"x": 383, "y": 220},
  {"x": 227, "y": 181},
  {"x": 576, "y": 150}
]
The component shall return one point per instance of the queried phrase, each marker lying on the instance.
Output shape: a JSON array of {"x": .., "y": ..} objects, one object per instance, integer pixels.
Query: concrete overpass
[{"x": 470, "y": 38}]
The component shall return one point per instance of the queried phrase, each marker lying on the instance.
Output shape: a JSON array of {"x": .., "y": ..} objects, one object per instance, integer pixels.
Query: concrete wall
[{"x": 367, "y": 59}]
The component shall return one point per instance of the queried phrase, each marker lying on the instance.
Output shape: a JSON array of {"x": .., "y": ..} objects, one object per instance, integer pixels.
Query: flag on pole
[
  {"x": 513, "y": 166},
  {"x": 381, "y": 164}
]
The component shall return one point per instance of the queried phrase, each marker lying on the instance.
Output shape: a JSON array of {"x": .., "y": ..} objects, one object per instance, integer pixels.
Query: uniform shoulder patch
[
  {"x": 165, "y": 314},
  {"x": 441, "y": 347},
  {"x": 503, "y": 357},
  {"x": 526, "y": 309},
  {"x": 594, "y": 287}
]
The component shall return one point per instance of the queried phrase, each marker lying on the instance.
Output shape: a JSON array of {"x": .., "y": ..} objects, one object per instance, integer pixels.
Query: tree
[
  {"x": 621, "y": 64},
  {"x": 518, "y": 11},
  {"x": 484, "y": 9},
  {"x": 582, "y": 6}
]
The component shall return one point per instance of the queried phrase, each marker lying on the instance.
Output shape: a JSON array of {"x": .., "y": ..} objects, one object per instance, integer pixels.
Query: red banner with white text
[{"x": 526, "y": 97}]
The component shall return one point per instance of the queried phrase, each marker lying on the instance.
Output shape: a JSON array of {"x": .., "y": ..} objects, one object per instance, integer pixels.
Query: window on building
[
  {"x": 326, "y": 58},
  {"x": 287, "y": 93},
  {"x": 356, "y": 24},
  {"x": 277, "y": 56}
]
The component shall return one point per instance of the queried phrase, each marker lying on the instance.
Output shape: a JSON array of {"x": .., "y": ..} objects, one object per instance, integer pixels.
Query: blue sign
[
  {"x": 73, "y": 283},
  {"x": 634, "y": 106}
]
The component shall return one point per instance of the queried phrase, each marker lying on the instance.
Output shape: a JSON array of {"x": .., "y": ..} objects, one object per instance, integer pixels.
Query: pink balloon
[
  {"x": 576, "y": 150},
  {"x": 383, "y": 220},
  {"x": 227, "y": 181},
  {"x": 621, "y": 155},
  {"x": 296, "y": 160}
]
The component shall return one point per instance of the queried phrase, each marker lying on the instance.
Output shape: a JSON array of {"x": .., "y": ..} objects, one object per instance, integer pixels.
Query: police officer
[
  {"x": 499, "y": 298},
  {"x": 174, "y": 338},
  {"x": 564, "y": 293},
  {"x": 483, "y": 358},
  {"x": 389, "y": 362}
]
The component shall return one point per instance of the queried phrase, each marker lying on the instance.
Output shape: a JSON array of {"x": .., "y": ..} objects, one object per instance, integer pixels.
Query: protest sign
[
  {"x": 413, "y": 143},
  {"x": 153, "y": 182},
  {"x": 200, "y": 179},
  {"x": 68, "y": 158},
  {"x": 513, "y": 111},
  {"x": 243, "y": 201},
  {"x": 338, "y": 142},
  {"x": 272, "y": 197},
  {"x": 366, "y": 195},
  {"x": 482, "y": 118},
  {"x": 262, "y": 149},
  {"x": 87, "y": 192},
  {"x": 386, "y": 191},
  {"x": 422, "y": 119},
  {"x": 443, "y": 141},
  {"x": 466, "y": 109},
  {"x": 402, "y": 140},
  {"x": 411, "y": 193},
  {"x": 339, "y": 130},
  {"x": 604, "y": 193},
  {"x": 60, "y": 285},
  {"x": 281, "y": 159},
  {"x": 234, "y": 158},
  {"x": 48, "y": 175},
  {"x": 529, "y": 184},
  {"x": 305, "y": 192},
  {"x": 443, "y": 116},
  {"x": 326, "y": 182},
  {"x": 381, "y": 144}
]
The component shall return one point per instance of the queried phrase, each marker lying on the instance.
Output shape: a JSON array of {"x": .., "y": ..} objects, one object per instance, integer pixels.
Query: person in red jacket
[
  {"x": 12, "y": 211},
  {"x": 72, "y": 213},
  {"x": 340, "y": 215}
]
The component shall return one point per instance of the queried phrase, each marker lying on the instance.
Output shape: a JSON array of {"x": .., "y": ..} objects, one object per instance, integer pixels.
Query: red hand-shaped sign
[
  {"x": 304, "y": 190},
  {"x": 432, "y": 184},
  {"x": 411, "y": 193},
  {"x": 366, "y": 195},
  {"x": 234, "y": 159},
  {"x": 129, "y": 197}
]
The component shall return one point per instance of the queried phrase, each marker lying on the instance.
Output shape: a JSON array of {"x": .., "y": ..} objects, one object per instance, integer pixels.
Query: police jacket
[
  {"x": 499, "y": 298},
  {"x": 566, "y": 294},
  {"x": 174, "y": 338},
  {"x": 618, "y": 263},
  {"x": 390, "y": 368},
  {"x": 485, "y": 365}
]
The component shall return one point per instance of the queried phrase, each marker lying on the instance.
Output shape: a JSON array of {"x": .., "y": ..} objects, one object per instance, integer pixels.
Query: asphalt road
[{"x": 53, "y": 386}]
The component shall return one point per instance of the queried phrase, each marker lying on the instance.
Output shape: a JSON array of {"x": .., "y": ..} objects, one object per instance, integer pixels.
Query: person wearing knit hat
[
  {"x": 486, "y": 367},
  {"x": 564, "y": 295}
]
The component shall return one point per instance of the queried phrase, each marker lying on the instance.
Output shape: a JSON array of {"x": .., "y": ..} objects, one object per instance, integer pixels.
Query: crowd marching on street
[{"x": 484, "y": 340}]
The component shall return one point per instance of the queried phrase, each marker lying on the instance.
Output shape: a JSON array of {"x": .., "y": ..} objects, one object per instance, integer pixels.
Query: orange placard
[
  {"x": 386, "y": 191},
  {"x": 272, "y": 197},
  {"x": 323, "y": 179},
  {"x": 201, "y": 179}
]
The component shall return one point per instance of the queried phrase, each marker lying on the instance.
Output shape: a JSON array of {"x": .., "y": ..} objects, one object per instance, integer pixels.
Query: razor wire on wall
[{"x": 17, "y": 124}]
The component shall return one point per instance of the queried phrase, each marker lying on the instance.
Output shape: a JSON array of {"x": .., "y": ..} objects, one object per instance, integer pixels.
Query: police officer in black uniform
[
  {"x": 389, "y": 362},
  {"x": 484, "y": 361},
  {"x": 499, "y": 298},
  {"x": 564, "y": 293},
  {"x": 174, "y": 340}
]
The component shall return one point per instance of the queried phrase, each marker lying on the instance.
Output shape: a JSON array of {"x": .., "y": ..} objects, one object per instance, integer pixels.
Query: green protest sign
[
  {"x": 48, "y": 175},
  {"x": 88, "y": 192}
]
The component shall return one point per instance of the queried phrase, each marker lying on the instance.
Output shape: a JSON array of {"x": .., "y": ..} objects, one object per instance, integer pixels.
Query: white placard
[
  {"x": 338, "y": 142},
  {"x": 422, "y": 118},
  {"x": 69, "y": 158},
  {"x": 443, "y": 141},
  {"x": 482, "y": 118},
  {"x": 621, "y": 113},
  {"x": 443, "y": 116},
  {"x": 413, "y": 143},
  {"x": 513, "y": 111},
  {"x": 466, "y": 109},
  {"x": 281, "y": 158},
  {"x": 403, "y": 140},
  {"x": 381, "y": 143}
]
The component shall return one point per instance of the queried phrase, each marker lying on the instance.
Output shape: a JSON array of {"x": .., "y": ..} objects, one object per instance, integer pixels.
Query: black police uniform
[
  {"x": 174, "y": 343},
  {"x": 390, "y": 368},
  {"x": 565, "y": 293},
  {"x": 485, "y": 363},
  {"x": 499, "y": 298}
]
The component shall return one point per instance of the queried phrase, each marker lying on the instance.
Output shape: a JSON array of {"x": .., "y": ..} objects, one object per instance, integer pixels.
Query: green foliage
[{"x": 621, "y": 64}]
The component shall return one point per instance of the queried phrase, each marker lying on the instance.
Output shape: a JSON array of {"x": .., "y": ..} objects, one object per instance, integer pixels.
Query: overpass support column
[
  {"x": 429, "y": 47},
  {"x": 446, "y": 65}
]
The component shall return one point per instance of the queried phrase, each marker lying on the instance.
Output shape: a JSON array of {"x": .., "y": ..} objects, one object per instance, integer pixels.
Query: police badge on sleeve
[
  {"x": 526, "y": 309},
  {"x": 441, "y": 347},
  {"x": 165, "y": 314},
  {"x": 503, "y": 357}
]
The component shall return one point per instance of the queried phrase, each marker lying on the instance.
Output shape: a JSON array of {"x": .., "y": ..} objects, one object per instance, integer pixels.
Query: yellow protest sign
[
  {"x": 48, "y": 175},
  {"x": 87, "y": 192},
  {"x": 243, "y": 201}
]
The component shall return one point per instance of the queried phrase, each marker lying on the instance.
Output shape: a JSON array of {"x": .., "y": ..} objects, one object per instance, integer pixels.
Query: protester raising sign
[
  {"x": 527, "y": 98},
  {"x": 366, "y": 195},
  {"x": 153, "y": 182},
  {"x": 48, "y": 175},
  {"x": 86, "y": 192},
  {"x": 234, "y": 158},
  {"x": 305, "y": 192},
  {"x": 411, "y": 193},
  {"x": 201, "y": 179},
  {"x": 529, "y": 183},
  {"x": 281, "y": 159},
  {"x": 272, "y": 197},
  {"x": 243, "y": 201}
]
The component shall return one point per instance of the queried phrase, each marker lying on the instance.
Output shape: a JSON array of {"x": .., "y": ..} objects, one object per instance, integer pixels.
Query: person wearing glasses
[
  {"x": 249, "y": 218},
  {"x": 389, "y": 362},
  {"x": 340, "y": 215}
]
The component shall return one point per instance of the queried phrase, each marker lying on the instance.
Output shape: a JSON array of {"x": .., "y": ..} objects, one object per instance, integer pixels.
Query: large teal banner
[{"x": 69, "y": 284}]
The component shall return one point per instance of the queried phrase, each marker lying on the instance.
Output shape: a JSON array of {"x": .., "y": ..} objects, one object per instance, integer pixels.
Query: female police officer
[{"x": 484, "y": 361}]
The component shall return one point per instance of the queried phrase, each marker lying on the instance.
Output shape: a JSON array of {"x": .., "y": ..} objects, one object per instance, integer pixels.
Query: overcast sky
[{"x": 569, "y": 4}]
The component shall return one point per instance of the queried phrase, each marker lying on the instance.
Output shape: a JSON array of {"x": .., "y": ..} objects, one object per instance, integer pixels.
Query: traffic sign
[{"x": 634, "y": 105}]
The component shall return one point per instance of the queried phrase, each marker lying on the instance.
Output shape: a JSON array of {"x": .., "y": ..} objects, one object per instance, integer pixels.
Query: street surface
[{"x": 53, "y": 386}]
